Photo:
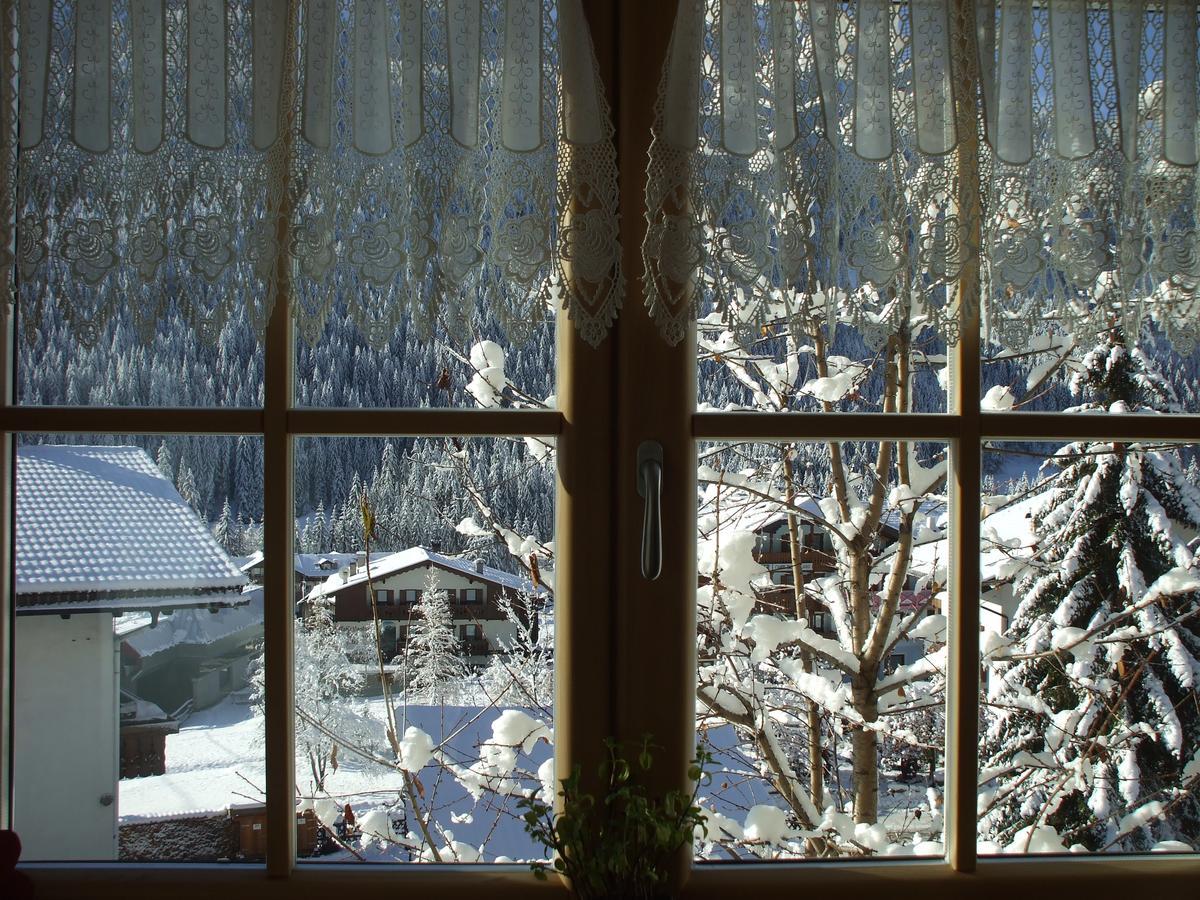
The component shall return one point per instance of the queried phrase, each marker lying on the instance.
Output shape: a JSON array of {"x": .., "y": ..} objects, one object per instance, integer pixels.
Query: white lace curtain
[
  {"x": 823, "y": 160},
  {"x": 407, "y": 158}
]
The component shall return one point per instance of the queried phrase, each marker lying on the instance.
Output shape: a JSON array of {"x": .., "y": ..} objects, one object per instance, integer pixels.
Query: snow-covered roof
[
  {"x": 742, "y": 514},
  {"x": 246, "y": 563},
  {"x": 743, "y": 506},
  {"x": 419, "y": 556},
  {"x": 1008, "y": 539},
  {"x": 136, "y": 711},
  {"x": 199, "y": 627},
  {"x": 104, "y": 520},
  {"x": 322, "y": 565},
  {"x": 309, "y": 565}
]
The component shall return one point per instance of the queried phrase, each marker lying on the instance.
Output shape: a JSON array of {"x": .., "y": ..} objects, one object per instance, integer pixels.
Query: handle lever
[{"x": 649, "y": 485}]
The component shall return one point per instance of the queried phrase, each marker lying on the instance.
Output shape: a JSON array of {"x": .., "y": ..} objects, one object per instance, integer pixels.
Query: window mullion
[
  {"x": 278, "y": 616},
  {"x": 130, "y": 420},
  {"x": 656, "y": 389},
  {"x": 278, "y": 513},
  {"x": 962, "y": 694},
  {"x": 7, "y": 482}
]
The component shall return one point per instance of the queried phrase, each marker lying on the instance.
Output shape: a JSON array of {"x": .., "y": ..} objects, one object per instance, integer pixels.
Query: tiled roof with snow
[
  {"x": 419, "y": 556},
  {"x": 104, "y": 519}
]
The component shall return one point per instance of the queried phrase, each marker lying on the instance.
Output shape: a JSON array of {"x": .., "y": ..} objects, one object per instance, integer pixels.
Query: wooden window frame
[{"x": 609, "y": 619}]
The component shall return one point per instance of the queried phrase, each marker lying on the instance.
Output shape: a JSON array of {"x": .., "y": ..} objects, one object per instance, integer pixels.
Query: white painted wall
[
  {"x": 416, "y": 579},
  {"x": 65, "y": 741}
]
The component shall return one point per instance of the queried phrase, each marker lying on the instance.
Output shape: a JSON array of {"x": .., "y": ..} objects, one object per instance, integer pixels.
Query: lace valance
[
  {"x": 408, "y": 158},
  {"x": 883, "y": 148}
]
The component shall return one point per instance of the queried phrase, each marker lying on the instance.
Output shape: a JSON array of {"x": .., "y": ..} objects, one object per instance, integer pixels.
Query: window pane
[
  {"x": 137, "y": 636},
  {"x": 1052, "y": 373},
  {"x": 1090, "y": 619},
  {"x": 117, "y": 367},
  {"x": 821, "y": 693},
  {"x": 789, "y": 368},
  {"x": 460, "y": 671},
  {"x": 481, "y": 368}
]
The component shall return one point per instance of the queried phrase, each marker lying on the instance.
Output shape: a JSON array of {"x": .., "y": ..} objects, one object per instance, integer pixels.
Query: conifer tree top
[{"x": 1115, "y": 377}]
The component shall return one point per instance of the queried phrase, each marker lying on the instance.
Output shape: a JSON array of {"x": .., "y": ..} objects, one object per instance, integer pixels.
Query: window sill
[
  {"x": 1063, "y": 878},
  {"x": 124, "y": 881},
  {"x": 1005, "y": 879}
]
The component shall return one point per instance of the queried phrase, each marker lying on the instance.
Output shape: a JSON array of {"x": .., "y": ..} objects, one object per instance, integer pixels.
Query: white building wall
[
  {"x": 416, "y": 579},
  {"x": 65, "y": 739},
  {"x": 496, "y": 631}
]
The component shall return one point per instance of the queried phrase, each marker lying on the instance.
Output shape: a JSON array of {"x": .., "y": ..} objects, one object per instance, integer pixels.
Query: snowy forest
[{"x": 222, "y": 476}]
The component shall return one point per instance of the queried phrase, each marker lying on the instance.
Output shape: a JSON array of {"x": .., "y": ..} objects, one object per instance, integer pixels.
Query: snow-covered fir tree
[
  {"x": 166, "y": 464},
  {"x": 227, "y": 530},
  {"x": 188, "y": 488},
  {"x": 1093, "y": 717},
  {"x": 434, "y": 661}
]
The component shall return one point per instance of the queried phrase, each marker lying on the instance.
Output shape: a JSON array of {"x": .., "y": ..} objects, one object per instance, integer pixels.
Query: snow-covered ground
[{"x": 217, "y": 760}]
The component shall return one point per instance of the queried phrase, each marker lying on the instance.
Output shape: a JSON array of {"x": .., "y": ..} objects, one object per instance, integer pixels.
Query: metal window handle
[{"x": 649, "y": 485}]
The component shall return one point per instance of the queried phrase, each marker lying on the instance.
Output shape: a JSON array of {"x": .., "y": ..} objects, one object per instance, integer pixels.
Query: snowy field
[{"x": 217, "y": 760}]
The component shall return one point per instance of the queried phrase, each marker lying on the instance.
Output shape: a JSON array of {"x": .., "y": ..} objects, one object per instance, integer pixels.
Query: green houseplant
[{"x": 618, "y": 844}]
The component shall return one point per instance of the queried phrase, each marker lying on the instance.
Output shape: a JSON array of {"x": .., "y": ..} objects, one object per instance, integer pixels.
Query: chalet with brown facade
[{"x": 472, "y": 589}]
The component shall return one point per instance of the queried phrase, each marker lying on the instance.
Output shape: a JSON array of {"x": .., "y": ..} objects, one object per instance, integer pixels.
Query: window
[
  {"x": 472, "y": 595},
  {"x": 632, "y": 640},
  {"x": 386, "y": 597}
]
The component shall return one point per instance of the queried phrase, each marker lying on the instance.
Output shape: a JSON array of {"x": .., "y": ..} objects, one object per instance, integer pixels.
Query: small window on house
[
  {"x": 472, "y": 632},
  {"x": 473, "y": 595},
  {"x": 452, "y": 596},
  {"x": 894, "y": 661},
  {"x": 818, "y": 621},
  {"x": 385, "y": 597}
]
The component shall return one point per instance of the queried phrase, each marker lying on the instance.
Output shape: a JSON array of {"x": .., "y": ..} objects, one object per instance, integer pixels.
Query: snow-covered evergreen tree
[
  {"x": 435, "y": 664},
  {"x": 188, "y": 489},
  {"x": 1093, "y": 719},
  {"x": 166, "y": 464},
  {"x": 227, "y": 530}
]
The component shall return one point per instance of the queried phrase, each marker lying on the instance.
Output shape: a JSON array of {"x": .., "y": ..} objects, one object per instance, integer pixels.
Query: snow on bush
[
  {"x": 416, "y": 749},
  {"x": 734, "y": 566},
  {"x": 488, "y": 383},
  {"x": 997, "y": 399},
  {"x": 766, "y": 823}
]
